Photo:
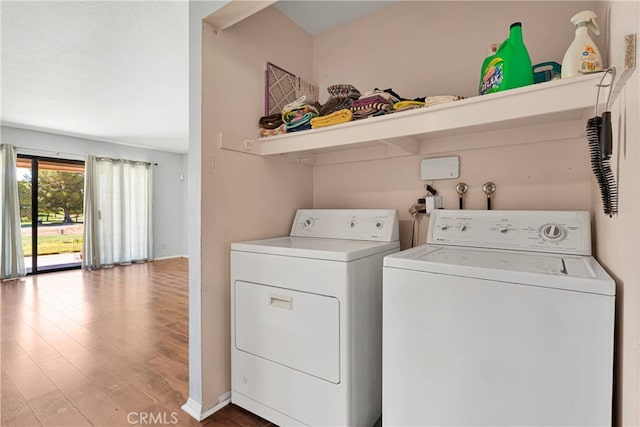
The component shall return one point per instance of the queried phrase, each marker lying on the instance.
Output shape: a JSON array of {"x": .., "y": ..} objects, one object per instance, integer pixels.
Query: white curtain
[
  {"x": 118, "y": 212},
  {"x": 11, "y": 255}
]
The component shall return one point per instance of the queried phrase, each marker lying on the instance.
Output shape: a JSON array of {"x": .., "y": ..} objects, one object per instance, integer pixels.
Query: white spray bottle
[{"x": 583, "y": 55}]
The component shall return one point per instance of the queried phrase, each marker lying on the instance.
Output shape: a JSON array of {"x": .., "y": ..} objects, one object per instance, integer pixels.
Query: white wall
[
  {"x": 243, "y": 197},
  {"x": 618, "y": 238},
  {"x": 168, "y": 202},
  {"x": 198, "y": 10},
  {"x": 184, "y": 176},
  {"x": 440, "y": 52},
  {"x": 421, "y": 48},
  {"x": 208, "y": 233},
  {"x": 557, "y": 179}
]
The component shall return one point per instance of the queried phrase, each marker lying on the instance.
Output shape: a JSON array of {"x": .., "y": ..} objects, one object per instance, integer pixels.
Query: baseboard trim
[
  {"x": 195, "y": 409},
  {"x": 192, "y": 408},
  {"x": 169, "y": 257}
]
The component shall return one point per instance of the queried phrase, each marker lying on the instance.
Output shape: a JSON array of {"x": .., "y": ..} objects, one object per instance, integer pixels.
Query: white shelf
[{"x": 527, "y": 109}]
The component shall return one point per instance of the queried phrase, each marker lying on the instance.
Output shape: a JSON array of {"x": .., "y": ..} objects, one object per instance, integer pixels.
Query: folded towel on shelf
[
  {"x": 381, "y": 93},
  {"x": 391, "y": 92},
  {"x": 271, "y": 121},
  {"x": 297, "y": 115},
  {"x": 374, "y": 104},
  {"x": 295, "y": 105},
  {"x": 380, "y": 106},
  {"x": 407, "y": 108},
  {"x": 369, "y": 112},
  {"x": 381, "y": 103},
  {"x": 290, "y": 116},
  {"x": 341, "y": 116},
  {"x": 343, "y": 91},
  {"x": 372, "y": 99},
  {"x": 440, "y": 99},
  {"x": 406, "y": 105},
  {"x": 335, "y": 104},
  {"x": 299, "y": 121},
  {"x": 294, "y": 117},
  {"x": 305, "y": 126},
  {"x": 341, "y": 98},
  {"x": 280, "y": 130},
  {"x": 363, "y": 114}
]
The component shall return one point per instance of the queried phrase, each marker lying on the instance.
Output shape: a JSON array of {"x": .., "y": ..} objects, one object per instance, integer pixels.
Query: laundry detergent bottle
[
  {"x": 509, "y": 67},
  {"x": 583, "y": 55}
]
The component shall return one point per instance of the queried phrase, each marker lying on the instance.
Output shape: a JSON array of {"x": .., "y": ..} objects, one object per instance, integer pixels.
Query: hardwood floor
[{"x": 102, "y": 348}]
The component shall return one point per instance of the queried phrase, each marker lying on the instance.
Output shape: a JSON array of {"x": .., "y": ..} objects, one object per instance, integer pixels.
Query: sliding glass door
[{"x": 51, "y": 198}]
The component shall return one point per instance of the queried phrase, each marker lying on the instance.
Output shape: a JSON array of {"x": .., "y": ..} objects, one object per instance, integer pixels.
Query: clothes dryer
[{"x": 306, "y": 318}]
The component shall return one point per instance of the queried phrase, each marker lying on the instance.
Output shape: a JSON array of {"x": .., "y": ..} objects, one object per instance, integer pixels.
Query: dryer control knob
[
  {"x": 463, "y": 227},
  {"x": 379, "y": 225},
  {"x": 444, "y": 227},
  {"x": 504, "y": 230}
]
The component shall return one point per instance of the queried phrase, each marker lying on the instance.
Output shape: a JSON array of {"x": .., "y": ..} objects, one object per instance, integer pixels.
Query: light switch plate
[{"x": 440, "y": 168}]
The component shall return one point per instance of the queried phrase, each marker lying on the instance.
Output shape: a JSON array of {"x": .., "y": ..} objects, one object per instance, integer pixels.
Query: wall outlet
[{"x": 433, "y": 202}]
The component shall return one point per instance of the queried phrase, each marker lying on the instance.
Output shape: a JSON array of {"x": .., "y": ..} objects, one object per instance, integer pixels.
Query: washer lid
[
  {"x": 316, "y": 248},
  {"x": 575, "y": 273}
]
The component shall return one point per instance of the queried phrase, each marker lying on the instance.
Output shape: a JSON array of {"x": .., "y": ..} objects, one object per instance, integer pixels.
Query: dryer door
[{"x": 299, "y": 330}]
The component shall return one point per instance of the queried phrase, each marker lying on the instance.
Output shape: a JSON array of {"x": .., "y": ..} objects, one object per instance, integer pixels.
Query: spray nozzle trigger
[
  {"x": 593, "y": 26},
  {"x": 588, "y": 18}
]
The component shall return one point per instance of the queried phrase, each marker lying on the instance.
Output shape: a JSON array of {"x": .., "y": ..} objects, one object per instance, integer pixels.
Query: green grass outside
[
  {"x": 48, "y": 245},
  {"x": 54, "y": 219}
]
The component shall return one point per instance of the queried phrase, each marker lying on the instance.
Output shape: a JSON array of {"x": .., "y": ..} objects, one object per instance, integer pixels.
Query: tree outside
[
  {"x": 24, "y": 196},
  {"x": 60, "y": 192},
  {"x": 60, "y": 196},
  {"x": 60, "y": 208}
]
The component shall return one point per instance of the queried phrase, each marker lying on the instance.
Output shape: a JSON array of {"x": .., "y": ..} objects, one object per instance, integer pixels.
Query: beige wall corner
[
  {"x": 618, "y": 243},
  {"x": 243, "y": 196}
]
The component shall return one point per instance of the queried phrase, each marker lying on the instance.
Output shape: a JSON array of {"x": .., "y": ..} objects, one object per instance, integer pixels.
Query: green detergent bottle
[{"x": 509, "y": 67}]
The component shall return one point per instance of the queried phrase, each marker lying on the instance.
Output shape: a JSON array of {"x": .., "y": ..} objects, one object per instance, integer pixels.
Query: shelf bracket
[
  {"x": 233, "y": 142},
  {"x": 300, "y": 159},
  {"x": 402, "y": 145},
  {"x": 629, "y": 66}
]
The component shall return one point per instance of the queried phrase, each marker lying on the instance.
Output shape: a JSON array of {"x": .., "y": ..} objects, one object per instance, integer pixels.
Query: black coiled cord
[{"x": 601, "y": 168}]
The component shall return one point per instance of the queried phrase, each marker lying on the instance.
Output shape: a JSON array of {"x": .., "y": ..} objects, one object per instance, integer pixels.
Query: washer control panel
[
  {"x": 565, "y": 232},
  {"x": 351, "y": 224}
]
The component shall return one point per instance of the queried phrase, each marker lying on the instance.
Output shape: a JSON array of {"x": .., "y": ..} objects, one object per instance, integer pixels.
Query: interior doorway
[{"x": 51, "y": 193}]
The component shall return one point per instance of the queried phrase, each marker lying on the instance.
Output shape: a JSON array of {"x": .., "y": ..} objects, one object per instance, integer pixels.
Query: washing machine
[
  {"x": 306, "y": 319},
  {"x": 503, "y": 318}
]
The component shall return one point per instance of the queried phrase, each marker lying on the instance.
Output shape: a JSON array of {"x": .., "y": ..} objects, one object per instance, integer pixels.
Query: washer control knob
[
  {"x": 504, "y": 230},
  {"x": 444, "y": 227},
  {"x": 553, "y": 232},
  {"x": 379, "y": 225},
  {"x": 462, "y": 227}
]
